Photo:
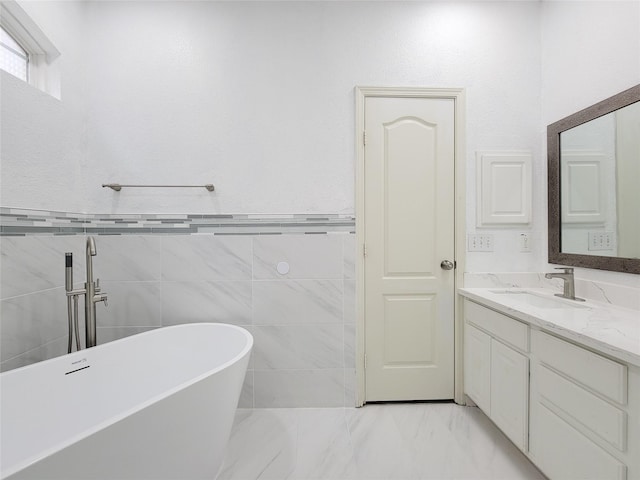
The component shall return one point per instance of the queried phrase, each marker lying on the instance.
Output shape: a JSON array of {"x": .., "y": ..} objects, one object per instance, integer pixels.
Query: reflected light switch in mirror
[{"x": 600, "y": 241}]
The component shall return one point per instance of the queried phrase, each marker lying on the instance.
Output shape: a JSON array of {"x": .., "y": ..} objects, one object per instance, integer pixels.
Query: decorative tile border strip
[{"x": 23, "y": 222}]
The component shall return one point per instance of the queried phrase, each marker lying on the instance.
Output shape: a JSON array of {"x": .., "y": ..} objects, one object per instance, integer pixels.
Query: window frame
[
  {"x": 22, "y": 53},
  {"x": 40, "y": 50}
]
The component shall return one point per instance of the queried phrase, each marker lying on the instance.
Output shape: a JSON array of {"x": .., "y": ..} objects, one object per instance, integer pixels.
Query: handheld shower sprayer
[
  {"x": 68, "y": 271},
  {"x": 72, "y": 314},
  {"x": 68, "y": 286}
]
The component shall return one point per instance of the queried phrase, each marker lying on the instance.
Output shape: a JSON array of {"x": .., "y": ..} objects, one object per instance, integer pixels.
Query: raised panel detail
[
  {"x": 410, "y": 330},
  {"x": 503, "y": 188},
  {"x": 582, "y": 196},
  {"x": 409, "y": 150}
]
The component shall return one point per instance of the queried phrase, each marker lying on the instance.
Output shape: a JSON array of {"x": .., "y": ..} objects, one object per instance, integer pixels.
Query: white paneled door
[{"x": 409, "y": 247}]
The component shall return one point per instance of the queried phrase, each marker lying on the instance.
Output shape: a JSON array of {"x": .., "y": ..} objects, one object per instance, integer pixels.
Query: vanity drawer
[
  {"x": 577, "y": 406},
  {"x": 561, "y": 452},
  {"x": 498, "y": 325},
  {"x": 598, "y": 373}
]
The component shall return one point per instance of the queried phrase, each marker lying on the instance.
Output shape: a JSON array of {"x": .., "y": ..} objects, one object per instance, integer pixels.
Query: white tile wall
[
  {"x": 349, "y": 304},
  {"x": 34, "y": 263},
  {"x": 31, "y": 321},
  {"x": 292, "y": 302},
  {"x": 303, "y": 322},
  {"x": 298, "y": 347},
  {"x": 52, "y": 349},
  {"x": 129, "y": 304},
  {"x": 126, "y": 258},
  {"x": 223, "y": 302},
  {"x": 309, "y": 256},
  {"x": 206, "y": 257}
]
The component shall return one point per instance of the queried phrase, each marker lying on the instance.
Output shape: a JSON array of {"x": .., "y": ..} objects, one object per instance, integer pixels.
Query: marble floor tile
[
  {"x": 324, "y": 445},
  {"x": 262, "y": 445},
  {"x": 391, "y": 442}
]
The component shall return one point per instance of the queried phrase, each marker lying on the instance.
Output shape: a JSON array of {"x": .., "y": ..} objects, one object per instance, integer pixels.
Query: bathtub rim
[{"x": 28, "y": 461}]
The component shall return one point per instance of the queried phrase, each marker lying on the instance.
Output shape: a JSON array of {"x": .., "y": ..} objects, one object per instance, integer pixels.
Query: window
[
  {"x": 25, "y": 50},
  {"x": 13, "y": 58}
]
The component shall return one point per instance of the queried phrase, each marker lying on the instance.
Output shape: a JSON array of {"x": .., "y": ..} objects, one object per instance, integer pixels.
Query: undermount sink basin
[{"x": 539, "y": 301}]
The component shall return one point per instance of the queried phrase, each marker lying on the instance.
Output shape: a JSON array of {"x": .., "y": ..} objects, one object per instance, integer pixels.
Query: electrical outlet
[
  {"x": 480, "y": 243},
  {"x": 524, "y": 242}
]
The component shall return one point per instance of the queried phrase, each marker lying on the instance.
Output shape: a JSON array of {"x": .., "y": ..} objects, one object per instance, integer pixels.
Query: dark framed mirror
[{"x": 594, "y": 185}]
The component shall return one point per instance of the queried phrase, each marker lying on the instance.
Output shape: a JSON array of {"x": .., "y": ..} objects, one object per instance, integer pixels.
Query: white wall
[
  {"x": 258, "y": 97},
  {"x": 590, "y": 51},
  {"x": 43, "y": 140}
]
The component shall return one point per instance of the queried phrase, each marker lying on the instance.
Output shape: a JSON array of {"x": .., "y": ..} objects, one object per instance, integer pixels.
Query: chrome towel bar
[{"x": 117, "y": 187}]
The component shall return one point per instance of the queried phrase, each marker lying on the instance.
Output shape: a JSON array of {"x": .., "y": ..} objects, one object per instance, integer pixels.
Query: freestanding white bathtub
[{"x": 158, "y": 405}]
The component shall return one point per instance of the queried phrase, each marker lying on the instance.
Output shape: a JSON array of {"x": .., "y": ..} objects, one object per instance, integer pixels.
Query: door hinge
[
  {"x": 364, "y": 249},
  {"x": 364, "y": 137}
]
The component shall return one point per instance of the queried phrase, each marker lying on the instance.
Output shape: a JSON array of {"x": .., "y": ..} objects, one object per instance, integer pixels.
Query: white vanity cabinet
[
  {"x": 579, "y": 415},
  {"x": 497, "y": 369},
  {"x": 561, "y": 380}
]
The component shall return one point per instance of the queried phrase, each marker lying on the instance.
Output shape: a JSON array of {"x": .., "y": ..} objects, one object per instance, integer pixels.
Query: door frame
[{"x": 458, "y": 96}]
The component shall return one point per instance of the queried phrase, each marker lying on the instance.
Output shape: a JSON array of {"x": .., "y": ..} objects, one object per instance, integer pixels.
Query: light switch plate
[{"x": 480, "y": 243}]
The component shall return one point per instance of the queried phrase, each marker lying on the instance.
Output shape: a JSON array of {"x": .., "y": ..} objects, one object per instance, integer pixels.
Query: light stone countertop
[{"x": 609, "y": 329}]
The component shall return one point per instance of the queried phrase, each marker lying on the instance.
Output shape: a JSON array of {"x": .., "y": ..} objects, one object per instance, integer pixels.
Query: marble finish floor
[{"x": 392, "y": 442}]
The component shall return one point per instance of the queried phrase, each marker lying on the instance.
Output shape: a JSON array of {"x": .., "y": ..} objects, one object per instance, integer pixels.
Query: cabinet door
[
  {"x": 510, "y": 392},
  {"x": 477, "y": 367}
]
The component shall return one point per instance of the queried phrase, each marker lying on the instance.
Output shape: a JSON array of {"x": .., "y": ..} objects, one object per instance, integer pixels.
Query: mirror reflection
[{"x": 600, "y": 185}]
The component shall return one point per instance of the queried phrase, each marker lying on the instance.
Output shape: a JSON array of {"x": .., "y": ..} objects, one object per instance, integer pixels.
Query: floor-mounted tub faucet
[
  {"x": 569, "y": 290},
  {"x": 92, "y": 295}
]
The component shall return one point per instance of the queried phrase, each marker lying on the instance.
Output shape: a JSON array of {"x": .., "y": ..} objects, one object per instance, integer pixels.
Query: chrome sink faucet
[{"x": 569, "y": 285}]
